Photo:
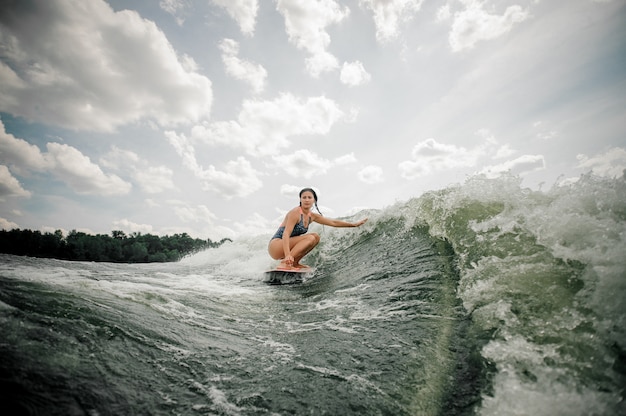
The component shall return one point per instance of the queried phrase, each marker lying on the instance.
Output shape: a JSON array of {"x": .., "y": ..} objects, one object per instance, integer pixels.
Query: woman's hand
[
  {"x": 288, "y": 260},
  {"x": 359, "y": 223}
]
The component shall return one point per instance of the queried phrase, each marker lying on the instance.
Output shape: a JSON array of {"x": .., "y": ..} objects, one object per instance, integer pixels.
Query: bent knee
[
  {"x": 276, "y": 250},
  {"x": 315, "y": 238}
]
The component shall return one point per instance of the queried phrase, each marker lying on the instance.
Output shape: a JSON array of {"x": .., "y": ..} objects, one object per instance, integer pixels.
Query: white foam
[{"x": 535, "y": 266}]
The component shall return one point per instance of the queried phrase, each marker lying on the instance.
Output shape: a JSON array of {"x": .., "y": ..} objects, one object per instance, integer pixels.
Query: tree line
[{"x": 117, "y": 247}]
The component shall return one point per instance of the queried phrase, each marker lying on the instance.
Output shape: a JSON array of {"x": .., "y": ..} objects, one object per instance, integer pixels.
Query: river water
[{"x": 480, "y": 299}]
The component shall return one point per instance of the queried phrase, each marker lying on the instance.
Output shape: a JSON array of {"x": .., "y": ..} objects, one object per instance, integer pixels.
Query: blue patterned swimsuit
[{"x": 298, "y": 229}]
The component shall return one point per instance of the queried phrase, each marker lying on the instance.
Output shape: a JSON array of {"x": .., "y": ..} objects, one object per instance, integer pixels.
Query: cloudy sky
[{"x": 208, "y": 116}]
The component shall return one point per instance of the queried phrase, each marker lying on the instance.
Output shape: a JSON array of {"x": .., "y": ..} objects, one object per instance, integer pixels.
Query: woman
[{"x": 291, "y": 243}]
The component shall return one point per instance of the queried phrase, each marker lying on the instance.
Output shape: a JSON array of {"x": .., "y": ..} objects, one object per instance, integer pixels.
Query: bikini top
[{"x": 298, "y": 229}]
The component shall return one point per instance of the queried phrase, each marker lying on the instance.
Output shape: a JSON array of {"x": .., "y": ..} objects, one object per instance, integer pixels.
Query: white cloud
[
  {"x": 185, "y": 150},
  {"x": 611, "y": 164},
  {"x": 443, "y": 13},
  {"x": 64, "y": 162},
  {"x": 306, "y": 22},
  {"x": 10, "y": 186},
  {"x": 303, "y": 164},
  {"x": 105, "y": 69},
  {"x": 431, "y": 156},
  {"x": 371, "y": 174},
  {"x": 389, "y": 13},
  {"x": 547, "y": 135},
  {"x": 239, "y": 178},
  {"x": 152, "y": 179},
  {"x": 263, "y": 127},
  {"x": 132, "y": 227},
  {"x": 544, "y": 132},
  {"x": 345, "y": 159},
  {"x": 7, "y": 225},
  {"x": 251, "y": 73},
  {"x": 243, "y": 11},
  {"x": 291, "y": 191},
  {"x": 503, "y": 152},
  {"x": 254, "y": 225},
  {"x": 354, "y": 74},
  {"x": 475, "y": 24},
  {"x": 306, "y": 164},
  {"x": 76, "y": 170},
  {"x": 19, "y": 154},
  {"x": 518, "y": 166},
  {"x": 490, "y": 145},
  {"x": 172, "y": 6},
  {"x": 199, "y": 213},
  {"x": 119, "y": 159},
  {"x": 175, "y": 8}
]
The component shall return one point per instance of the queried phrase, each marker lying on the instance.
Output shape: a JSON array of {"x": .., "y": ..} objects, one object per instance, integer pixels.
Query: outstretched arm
[{"x": 337, "y": 223}]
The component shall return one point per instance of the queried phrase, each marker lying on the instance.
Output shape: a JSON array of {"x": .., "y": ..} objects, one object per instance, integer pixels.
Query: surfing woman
[{"x": 291, "y": 242}]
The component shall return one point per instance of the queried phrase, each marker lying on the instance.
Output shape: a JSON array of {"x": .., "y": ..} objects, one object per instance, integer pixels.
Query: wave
[{"x": 542, "y": 276}]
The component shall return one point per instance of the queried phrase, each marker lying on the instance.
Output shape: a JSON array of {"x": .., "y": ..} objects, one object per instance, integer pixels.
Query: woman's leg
[
  {"x": 302, "y": 248},
  {"x": 299, "y": 247},
  {"x": 275, "y": 248}
]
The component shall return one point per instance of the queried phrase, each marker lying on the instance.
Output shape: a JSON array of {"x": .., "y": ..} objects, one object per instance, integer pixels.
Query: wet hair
[{"x": 314, "y": 197}]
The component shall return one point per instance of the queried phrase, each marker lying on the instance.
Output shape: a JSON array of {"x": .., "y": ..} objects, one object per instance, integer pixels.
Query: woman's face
[{"x": 307, "y": 199}]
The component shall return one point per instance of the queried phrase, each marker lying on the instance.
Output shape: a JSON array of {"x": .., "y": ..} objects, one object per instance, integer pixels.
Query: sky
[{"x": 208, "y": 116}]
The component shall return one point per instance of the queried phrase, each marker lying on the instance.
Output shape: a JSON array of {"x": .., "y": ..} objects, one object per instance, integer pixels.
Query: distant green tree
[
  {"x": 113, "y": 249},
  {"x": 51, "y": 245},
  {"x": 120, "y": 235},
  {"x": 117, "y": 247},
  {"x": 137, "y": 253}
]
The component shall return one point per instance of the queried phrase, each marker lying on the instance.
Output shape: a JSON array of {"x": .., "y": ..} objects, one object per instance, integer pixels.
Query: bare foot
[
  {"x": 285, "y": 266},
  {"x": 301, "y": 266}
]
